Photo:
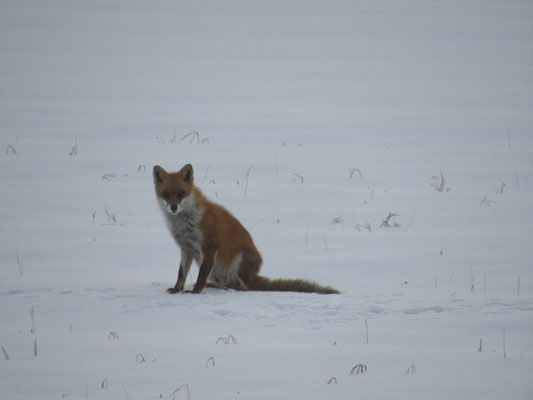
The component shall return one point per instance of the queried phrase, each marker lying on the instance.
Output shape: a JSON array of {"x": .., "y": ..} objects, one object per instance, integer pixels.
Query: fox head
[{"x": 173, "y": 189}]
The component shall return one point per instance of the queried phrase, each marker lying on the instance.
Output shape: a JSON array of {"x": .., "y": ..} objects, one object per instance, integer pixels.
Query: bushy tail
[{"x": 290, "y": 285}]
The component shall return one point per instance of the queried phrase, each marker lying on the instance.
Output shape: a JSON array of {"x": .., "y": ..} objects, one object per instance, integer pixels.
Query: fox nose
[{"x": 173, "y": 207}]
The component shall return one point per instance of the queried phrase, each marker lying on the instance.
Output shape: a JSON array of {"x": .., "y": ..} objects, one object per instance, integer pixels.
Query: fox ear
[
  {"x": 187, "y": 173},
  {"x": 159, "y": 174}
]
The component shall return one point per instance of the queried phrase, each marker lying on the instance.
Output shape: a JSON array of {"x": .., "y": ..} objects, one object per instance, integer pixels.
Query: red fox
[{"x": 208, "y": 234}]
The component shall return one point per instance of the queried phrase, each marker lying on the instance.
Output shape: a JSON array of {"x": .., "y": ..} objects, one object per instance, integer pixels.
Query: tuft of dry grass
[
  {"x": 352, "y": 171},
  {"x": 227, "y": 340},
  {"x": 389, "y": 222},
  {"x": 411, "y": 370},
  {"x": 107, "y": 177},
  {"x": 485, "y": 202},
  {"x": 337, "y": 220},
  {"x": 192, "y": 135},
  {"x": 439, "y": 183},
  {"x": 358, "y": 369},
  {"x": 113, "y": 335}
]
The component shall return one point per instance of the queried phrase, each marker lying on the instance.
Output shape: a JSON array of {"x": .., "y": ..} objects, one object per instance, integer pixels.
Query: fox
[{"x": 208, "y": 234}]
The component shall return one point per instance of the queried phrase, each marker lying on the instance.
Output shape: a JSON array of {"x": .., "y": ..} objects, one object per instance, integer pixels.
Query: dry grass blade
[
  {"x": 107, "y": 177},
  {"x": 332, "y": 380},
  {"x": 140, "y": 358},
  {"x": 74, "y": 151},
  {"x": 19, "y": 263},
  {"x": 411, "y": 370},
  {"x": 141, "y": 168},
  {"x": 299, "y": 178},
  {"x": 10, "y": 148},
  {"x": 175, "y": 392},
  {"x": 212, "y": 359},
  {"x": 485, "y": 202},
  {"x": 104, "y": 384},
  {"x": 5, "y": 353},
  {"x": 32, "y": 320},
  {"x": 439, "y": 184},
  {"x": 246, "y": 178}
]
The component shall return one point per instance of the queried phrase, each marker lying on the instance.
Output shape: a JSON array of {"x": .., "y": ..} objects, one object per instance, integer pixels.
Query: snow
[{"x": 345, "y": 112}]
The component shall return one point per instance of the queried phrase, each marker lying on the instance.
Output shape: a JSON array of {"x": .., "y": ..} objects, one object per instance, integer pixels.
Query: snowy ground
[{"x": 344, "y": 111}]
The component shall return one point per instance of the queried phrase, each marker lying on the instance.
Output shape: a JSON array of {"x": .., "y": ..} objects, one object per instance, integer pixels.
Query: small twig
[
  {"x": 480, "y": 350},
  {"x": 212, "y": 359},
  {"x": 113, "y": 335},
  {"x": 141, "y": 168},
  {"x": 104, "y": 384},
  {"x": 366, "y": 327},
  {"x": 35, "y": 347}
]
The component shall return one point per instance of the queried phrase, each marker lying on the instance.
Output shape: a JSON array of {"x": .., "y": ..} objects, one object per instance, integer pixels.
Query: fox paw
[{"x": 173, "y": 290}]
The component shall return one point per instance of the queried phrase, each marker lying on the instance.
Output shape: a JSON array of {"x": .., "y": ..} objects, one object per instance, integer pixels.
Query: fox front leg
[{"x": 185, "y": 266}]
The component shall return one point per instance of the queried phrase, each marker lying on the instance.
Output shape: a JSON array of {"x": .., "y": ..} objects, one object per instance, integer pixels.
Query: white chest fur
[{"x": 185, "y": 230}]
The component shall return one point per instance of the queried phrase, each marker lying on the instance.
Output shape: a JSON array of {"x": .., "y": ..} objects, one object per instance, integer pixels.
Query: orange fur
[{"x": 209, "y": 234}]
